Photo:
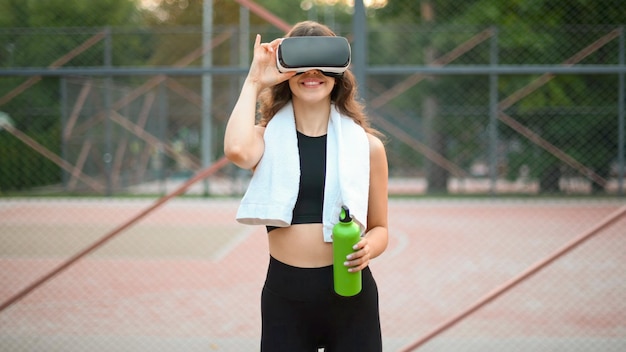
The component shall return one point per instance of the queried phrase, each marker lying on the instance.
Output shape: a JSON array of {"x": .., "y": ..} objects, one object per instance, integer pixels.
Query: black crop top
[{"x": 310, "y": 202}]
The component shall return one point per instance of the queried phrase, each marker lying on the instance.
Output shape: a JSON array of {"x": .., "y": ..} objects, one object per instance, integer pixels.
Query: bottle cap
[{"x": 344, "y": 216}]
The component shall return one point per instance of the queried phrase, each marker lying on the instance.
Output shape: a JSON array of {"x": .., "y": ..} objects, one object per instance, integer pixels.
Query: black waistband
[{"x": 304, "y": 284}]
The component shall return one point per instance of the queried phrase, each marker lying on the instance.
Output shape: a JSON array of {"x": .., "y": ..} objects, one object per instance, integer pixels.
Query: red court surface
[{"x": 188, "y": 277}]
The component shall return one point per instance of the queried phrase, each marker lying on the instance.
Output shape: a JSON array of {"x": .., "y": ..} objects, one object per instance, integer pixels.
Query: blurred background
[
  {"x": 485, "y": 105},
  {"x": 119, "y": 95}
]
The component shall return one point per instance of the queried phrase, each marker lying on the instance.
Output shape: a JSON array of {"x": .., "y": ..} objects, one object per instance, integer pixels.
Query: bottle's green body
[{"x": 346, "y": 234}]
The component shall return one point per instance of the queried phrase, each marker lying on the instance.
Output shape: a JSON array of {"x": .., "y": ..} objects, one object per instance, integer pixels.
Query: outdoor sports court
[{"x": 188, "y": 277}]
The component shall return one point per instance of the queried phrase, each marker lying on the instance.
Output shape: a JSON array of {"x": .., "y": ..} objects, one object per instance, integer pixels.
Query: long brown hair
[{"x": 343, "y": 95}]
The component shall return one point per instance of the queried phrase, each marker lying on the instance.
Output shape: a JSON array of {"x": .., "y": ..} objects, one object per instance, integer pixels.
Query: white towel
[{"x": 273, "y": 189}]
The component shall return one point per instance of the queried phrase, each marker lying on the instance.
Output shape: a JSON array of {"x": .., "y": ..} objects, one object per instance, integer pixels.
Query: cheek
[
  {"x": 333, "y": 85},
  {"x": 293, "y": 84}
]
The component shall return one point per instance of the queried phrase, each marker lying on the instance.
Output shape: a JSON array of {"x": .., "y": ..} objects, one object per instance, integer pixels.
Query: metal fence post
[
  {"x": 162, "y": 118},
  {"x": 64, "y": 147},
  {"x": 359, "y": 48},
  {"x": 493, "y": 112},
  {"x": 620, "y": 116},
  {"x": 207, "y": 90},
  {"x": 108, "y": 101}
]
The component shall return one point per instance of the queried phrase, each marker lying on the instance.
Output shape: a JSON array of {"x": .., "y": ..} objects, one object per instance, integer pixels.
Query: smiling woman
[{"x": 312, "y": 151}]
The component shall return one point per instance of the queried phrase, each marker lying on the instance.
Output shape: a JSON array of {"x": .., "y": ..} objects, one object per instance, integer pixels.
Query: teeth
[{"x": 311, "y": 83}]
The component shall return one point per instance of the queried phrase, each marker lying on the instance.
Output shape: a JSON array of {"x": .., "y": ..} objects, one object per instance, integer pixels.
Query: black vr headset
[{"x": 330, "y": 55}]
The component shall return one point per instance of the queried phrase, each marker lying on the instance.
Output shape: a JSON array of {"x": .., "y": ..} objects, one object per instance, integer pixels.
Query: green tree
[
  {"x": 226, "y": 17},
  {"x": 569, "y": 111},
  {"x": 67, "y": 13},
  {"x": 34, "y": 34}
]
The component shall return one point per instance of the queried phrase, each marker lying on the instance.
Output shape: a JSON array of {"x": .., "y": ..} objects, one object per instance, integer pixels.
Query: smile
[{"x": 312, "y": 83}]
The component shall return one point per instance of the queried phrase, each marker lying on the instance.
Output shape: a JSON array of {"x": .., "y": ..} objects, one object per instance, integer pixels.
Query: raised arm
[{"x": 243, "y": 141}]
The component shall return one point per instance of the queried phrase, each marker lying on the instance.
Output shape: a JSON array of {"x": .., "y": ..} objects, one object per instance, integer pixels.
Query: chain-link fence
[{"x": 520, "y": 102}]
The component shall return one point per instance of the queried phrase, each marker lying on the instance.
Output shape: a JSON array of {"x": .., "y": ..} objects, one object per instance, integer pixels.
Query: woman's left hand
[{"x": 360, "y": 258}]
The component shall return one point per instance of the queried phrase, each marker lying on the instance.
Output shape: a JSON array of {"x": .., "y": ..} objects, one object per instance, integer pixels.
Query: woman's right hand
[{"x": 263, "y": 71}]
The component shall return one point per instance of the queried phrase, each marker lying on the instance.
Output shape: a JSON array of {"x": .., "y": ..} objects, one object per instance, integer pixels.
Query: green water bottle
[{"x": 346, "y": 233}]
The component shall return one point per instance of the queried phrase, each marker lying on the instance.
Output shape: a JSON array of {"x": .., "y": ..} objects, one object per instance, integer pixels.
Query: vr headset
[{"x": 330, "y": 55}]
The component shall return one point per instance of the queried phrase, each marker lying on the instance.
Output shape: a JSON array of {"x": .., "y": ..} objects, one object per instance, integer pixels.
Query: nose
[{"x": 314, "y": 72}]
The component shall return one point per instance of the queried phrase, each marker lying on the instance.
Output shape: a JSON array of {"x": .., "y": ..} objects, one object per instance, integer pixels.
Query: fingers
[
  {"x": 257, "y": 41},
  {"x": 270, "y": 47},
  {"x": 265, "y": 53},
  {"x": 267, "y": 47},
  {"x": 360, "y": 258},
  {"x": 263, "y": 68},
  {"x": 276, "y": 42}
]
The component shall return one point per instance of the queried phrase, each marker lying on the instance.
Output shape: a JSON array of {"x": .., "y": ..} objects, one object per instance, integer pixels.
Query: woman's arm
[
  {"x": 375, "y": 240},
  {"x": 243, "y": 141}
]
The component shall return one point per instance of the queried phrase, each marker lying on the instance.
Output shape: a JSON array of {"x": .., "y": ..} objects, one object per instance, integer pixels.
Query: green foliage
[
  {"x": 67, "y": 13},
  {"x": 22, "y": 168},
  {"x": 37, "y": 112},
  {"x": 569, "y": 111},
  {"x": 539, "y": 32}
]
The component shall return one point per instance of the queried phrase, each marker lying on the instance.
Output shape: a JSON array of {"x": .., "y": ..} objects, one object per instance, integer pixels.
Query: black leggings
[{"x": 301, "y": 312}]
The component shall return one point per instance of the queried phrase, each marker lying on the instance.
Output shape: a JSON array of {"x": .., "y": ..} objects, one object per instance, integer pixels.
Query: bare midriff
[{"x": 301, "y": 246}]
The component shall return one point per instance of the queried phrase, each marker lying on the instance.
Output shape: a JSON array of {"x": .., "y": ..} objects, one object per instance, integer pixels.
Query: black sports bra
[{"x": 310, "y": 202}]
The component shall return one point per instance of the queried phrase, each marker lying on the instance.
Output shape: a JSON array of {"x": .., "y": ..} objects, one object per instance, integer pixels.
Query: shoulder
[
  {"x": 376, "y": 145},
  {"x": 378, "y": 155}
]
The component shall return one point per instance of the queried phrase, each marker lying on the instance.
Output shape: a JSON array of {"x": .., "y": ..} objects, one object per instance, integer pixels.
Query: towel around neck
[{"x": 273, "y": 189}]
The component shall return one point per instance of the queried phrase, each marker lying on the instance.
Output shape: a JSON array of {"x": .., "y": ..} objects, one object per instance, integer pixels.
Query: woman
[{"x": 300, "y": 311}]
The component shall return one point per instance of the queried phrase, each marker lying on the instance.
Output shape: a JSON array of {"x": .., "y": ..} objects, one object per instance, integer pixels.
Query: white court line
[
  {"x": 403, "y": 243},
  {"x": 239, "y": 238}
]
